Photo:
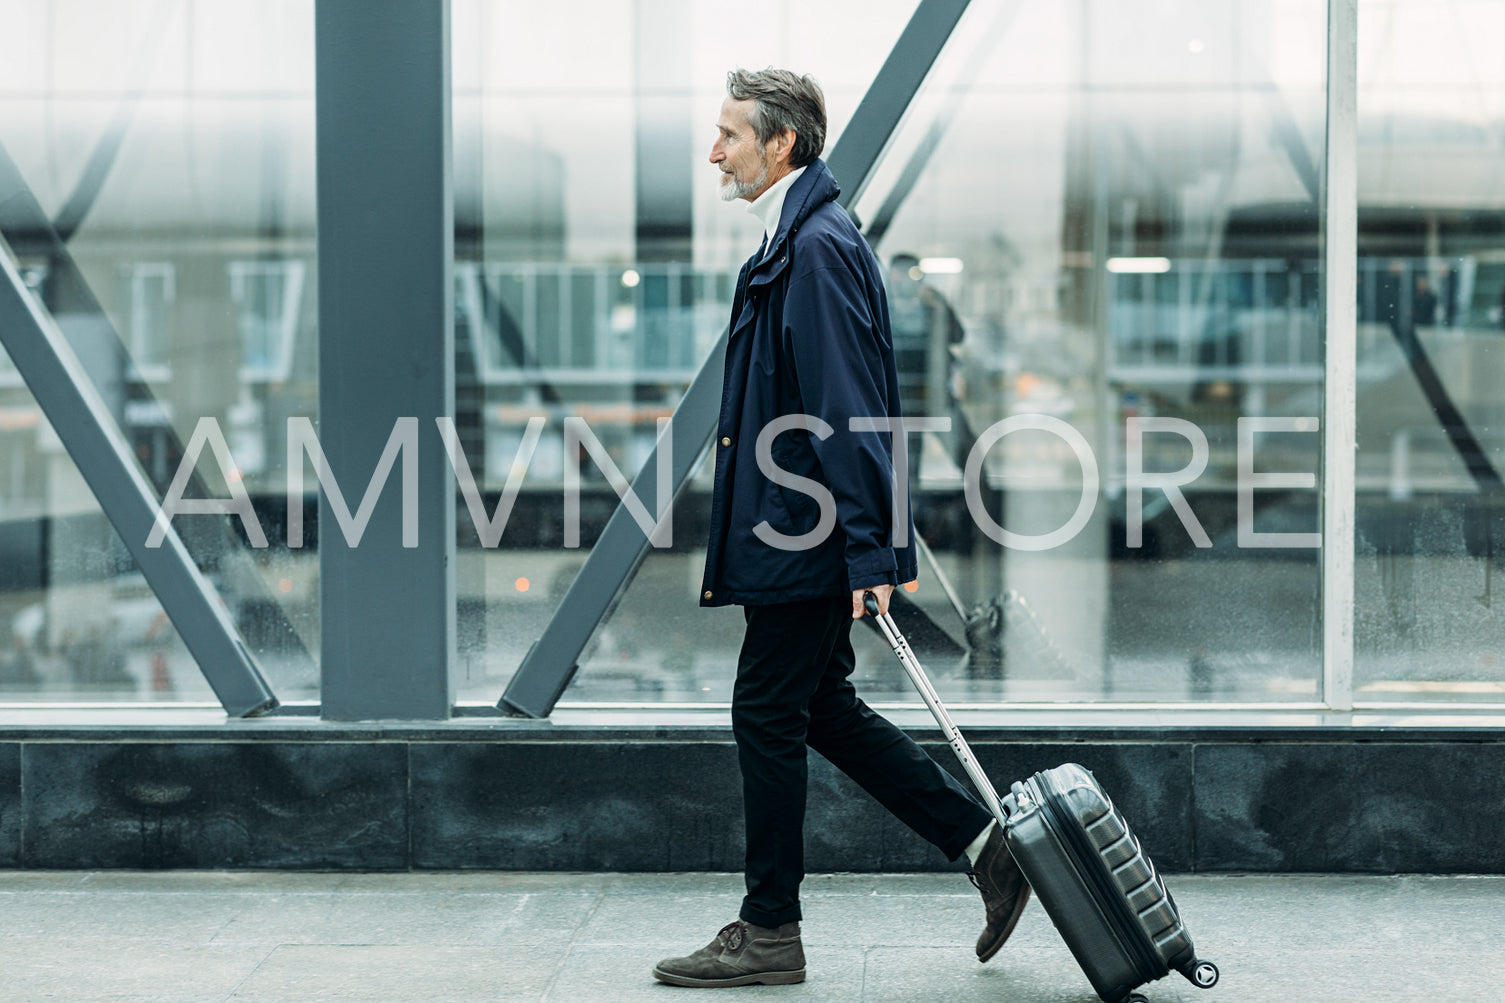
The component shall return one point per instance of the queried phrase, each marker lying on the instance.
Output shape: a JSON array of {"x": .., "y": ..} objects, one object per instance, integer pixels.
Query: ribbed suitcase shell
[
  {"x": 1096, "y": 882},
  {"x": 1079, "y": 856}
]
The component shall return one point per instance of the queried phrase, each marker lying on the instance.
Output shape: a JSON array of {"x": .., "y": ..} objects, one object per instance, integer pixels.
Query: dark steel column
[
  {"x": 553, "y": 660},
  {"x": 386, "y": 350}
]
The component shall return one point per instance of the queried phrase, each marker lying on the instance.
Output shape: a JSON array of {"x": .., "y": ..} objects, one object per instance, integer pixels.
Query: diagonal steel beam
[
  {"x": 553, "y": 659},
  {"x": 24, "y": 224},
  {"x": 83, "y": 422},
  {"x": 872, "y": 125},
  {"x": 1473, "y": 454},
  {"x": 914, "y": 168}
]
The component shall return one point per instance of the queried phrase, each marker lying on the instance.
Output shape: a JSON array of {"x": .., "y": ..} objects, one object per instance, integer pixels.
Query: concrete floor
[{"x": 439, "y": 937}]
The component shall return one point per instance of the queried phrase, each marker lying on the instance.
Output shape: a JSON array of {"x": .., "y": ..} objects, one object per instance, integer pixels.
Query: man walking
[{"x": 802, "y": 524}]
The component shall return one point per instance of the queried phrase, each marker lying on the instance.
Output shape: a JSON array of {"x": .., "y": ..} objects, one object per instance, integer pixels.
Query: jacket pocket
[{"x": 801, "y": 509}]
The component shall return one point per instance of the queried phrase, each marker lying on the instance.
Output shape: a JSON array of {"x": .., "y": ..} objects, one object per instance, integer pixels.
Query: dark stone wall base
[{"x": 667, "y": 804}]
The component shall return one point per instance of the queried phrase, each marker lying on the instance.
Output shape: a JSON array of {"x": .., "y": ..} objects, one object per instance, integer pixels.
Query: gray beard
[{"x": 734, "y": 189}]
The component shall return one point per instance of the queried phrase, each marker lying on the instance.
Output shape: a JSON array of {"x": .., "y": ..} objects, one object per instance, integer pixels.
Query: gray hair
[{"x": 783, "y": 100}]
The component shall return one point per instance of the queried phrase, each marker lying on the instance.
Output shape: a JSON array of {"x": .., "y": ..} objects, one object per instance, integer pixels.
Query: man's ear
[{"x": 783, "y": 145}]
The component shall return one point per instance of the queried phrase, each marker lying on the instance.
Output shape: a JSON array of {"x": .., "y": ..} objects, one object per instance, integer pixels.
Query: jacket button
[
  {"x": 725, "y": 441},
  {"x": 706, "y": 596}
]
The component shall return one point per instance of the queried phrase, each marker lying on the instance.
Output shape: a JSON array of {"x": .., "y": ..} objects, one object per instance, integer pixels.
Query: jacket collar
[{"x": 809, "y": 191}]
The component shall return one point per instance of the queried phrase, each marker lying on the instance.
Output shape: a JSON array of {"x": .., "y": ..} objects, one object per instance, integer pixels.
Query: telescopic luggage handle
[{"x": 937, "y": 709}]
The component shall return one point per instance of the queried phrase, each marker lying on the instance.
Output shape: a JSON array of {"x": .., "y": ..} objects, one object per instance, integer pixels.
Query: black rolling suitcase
[{"x": 1097, "y": 885}]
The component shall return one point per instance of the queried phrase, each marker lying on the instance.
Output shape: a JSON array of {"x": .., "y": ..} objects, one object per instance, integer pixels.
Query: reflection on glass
[
  {"x": 167, "y": 225},
  {"x": 1101, "y": 222},
  {"x": 150, "y": 298},
  {"x": 81, "y": 622},
  {"x": 268, "y": 298},
  {"x": 1431, "y": 434}
]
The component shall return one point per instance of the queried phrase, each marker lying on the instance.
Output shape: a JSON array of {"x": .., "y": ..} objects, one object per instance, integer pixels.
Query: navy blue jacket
[{"x": 809, "y": 336}]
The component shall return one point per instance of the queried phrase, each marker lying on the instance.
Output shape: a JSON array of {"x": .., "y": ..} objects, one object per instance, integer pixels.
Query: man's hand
[{"x": 880, "y": 592}]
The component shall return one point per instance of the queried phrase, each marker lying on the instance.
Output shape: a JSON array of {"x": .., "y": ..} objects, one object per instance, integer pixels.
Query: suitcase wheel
[{"x": 1204, "y": 974}]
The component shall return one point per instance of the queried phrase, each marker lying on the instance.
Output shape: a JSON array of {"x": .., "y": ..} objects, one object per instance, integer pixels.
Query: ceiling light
[
  {"x": 1139, "y": 265},
  {"x": 941, "y": 266}
]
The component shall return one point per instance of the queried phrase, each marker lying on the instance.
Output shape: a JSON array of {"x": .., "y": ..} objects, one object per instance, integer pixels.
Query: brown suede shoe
[
  {"x": 1004, "y": 892},
  {"x": 741, "y": 955}
]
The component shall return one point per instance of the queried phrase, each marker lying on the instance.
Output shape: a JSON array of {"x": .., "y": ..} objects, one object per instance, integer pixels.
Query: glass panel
[
  {"x": 1100, "y": 225},
  {"x": 596, "y": 308},
  {"x": 172, "y": 148},
  {"x": 1431, "y": 431},
  {"x": 1100, "y": 222}
]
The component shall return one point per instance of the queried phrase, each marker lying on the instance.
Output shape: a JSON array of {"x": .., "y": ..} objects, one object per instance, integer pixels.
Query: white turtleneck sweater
[{"x": 769, "y": 206}]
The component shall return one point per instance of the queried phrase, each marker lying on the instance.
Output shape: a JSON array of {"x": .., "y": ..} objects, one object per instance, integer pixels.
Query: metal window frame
[{"x": 1340, "y": 225}]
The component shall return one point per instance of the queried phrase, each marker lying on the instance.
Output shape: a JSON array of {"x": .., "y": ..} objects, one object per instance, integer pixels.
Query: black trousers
[{"x": 793, "y": 691}]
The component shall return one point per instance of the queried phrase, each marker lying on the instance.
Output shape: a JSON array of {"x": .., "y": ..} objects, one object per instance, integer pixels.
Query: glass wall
[
  {"x": 1431, "y": 353},
  {"x": 158, "y": 163},
  {"x": 1100, "y": 223},
  {"x": 1104, "y": 270}
]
